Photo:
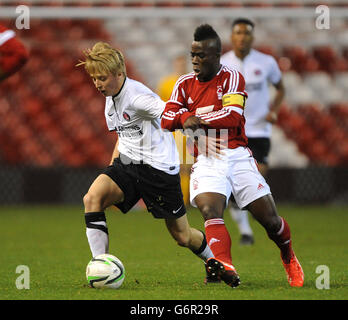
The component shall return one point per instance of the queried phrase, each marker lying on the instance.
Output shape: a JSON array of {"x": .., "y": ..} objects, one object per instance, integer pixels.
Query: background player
[
  {"x": 13, "y": 54},
  {"x": 259, "y": 70},
  {"x": 164, "y": 90},
  {"x": 213, "y": 97},
  {"x": 166, "y": 84},
  {"x": 145, "y": 161}
]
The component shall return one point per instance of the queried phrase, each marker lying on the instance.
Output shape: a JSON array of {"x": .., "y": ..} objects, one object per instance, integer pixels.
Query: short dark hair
[
  {"x": 243, "y": 20},
  {"x": 205, "y": 32}
]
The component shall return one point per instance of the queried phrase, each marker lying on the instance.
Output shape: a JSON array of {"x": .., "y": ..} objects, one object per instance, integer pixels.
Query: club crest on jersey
[
  {"x": 126, "y": 116},
  {"x": 219, "y": 92}
]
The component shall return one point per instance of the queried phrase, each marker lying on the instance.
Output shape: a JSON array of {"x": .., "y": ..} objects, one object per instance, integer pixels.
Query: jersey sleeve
[
  {"x": 13, "y": 54},
  {"x": 149, "y": 106},
  {"x": 274, "y": 73},
  {"x": 233, "y": 102},
  {"x": 176, "y": 111}
]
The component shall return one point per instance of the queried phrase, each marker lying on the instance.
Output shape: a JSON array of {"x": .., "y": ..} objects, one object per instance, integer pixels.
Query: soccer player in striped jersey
[
  {"x": 13, "y": 54},
  {"x": 145, "y": 163},
  {"x": 210, "y": 101}
]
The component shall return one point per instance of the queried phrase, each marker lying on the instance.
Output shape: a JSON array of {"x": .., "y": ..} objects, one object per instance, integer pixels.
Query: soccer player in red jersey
[
  {"x": 13, "y": 54},
  {"x": 212, "y": 99}
]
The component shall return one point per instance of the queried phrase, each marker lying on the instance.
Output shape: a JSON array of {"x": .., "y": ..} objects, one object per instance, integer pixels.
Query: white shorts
[{"x": 236, "y": 172}]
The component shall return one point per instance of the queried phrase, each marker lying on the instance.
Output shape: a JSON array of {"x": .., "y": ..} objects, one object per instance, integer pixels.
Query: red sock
[
  {"x": 283, "y": 240},
  {"x": 218, "y": 239}
]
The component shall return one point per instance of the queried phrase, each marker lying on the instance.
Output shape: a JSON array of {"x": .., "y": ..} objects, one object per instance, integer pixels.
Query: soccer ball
[{"x": 105, "y": 271}]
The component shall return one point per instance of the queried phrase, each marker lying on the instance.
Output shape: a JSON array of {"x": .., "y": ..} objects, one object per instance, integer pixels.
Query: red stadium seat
[
  {"x": 329, "y": 59},
  {"x": 317, "y": 151},
  {"x": 343, "y": 152},
  {"x": 310, "y": 65},
  {"x": 268, "y": 49},
  {"x": 338, "y": 65},
  {"x": 75, "y": 159},
  {"x": 345, "y": 53},
  {"x": 32, "y": 107},
  {"x": 22, "y": 134},
  {"x": 298, "y": 57},
  {"x": 257, "y": 4},
  {"x": 324, "y": 53},
  {"x": 234, "y": 4},
  {"x": 339, "y": 110},
  {"x": 53, "y": 94},
  {"x": 305, "y": 138},
  {"x": 76, "y": 33},
  {"x": 54, "y": 105},
  {"x": 52, "y": 102}
]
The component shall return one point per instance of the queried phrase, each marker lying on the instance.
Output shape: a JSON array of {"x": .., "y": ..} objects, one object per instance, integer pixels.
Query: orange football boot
[
  {"x": 218, "y": 270},
  {"x": 294, "y": 272}
]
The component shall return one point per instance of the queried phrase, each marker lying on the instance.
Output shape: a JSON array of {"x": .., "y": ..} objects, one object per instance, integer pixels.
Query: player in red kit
[
  {"x": 212, "y": 99},
  {"x": 13, "y": 54}
]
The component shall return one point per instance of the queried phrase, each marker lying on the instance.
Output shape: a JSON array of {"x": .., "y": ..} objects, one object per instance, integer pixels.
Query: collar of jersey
[
  {"x": 205, "y": 82},
  {"x": 251, "y": 52},
  {"x": 118, "y": 93}
]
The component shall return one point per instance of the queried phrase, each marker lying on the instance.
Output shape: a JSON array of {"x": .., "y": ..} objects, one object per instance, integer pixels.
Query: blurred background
[{"x": 53, "y": 136}]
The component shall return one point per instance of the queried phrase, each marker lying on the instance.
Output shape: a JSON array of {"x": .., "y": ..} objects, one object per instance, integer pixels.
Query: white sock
[
  {"x": 97, "y": 233},
  {"x": 204, "y": 252},
  {"x": 241, "y": 218}
]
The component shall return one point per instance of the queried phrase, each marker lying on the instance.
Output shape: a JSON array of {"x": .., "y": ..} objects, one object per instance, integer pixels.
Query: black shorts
[
  {"x": 160, "y": 191},
  {"x": 260, "y": 147}
]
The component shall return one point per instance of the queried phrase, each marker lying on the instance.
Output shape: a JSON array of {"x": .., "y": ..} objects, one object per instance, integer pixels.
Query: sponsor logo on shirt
[
  {"x": 129, "y": 132},
  {"x": 126, "y": 116},
  {"x": 253, "y": 86}
]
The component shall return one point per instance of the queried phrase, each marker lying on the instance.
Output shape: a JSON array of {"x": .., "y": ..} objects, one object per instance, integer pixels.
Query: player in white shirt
[
  {"x": 259, "y": 70},
  {"x": 145, "y": 163}
]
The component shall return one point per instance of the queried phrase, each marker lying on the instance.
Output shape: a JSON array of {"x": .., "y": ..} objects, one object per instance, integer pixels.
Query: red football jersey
[
  {"x": 13, "y": 54},
  {"x": 220, "y": 101}
]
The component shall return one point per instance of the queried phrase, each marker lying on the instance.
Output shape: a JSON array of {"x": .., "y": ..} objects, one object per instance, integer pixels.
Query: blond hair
[{"x": 103, "y": 59}]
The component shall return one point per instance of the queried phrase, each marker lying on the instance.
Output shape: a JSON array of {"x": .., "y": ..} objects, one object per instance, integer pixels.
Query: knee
[
  {"x": 209, "y": 212},
  {"x": 183, "y": 240},
  {"x": 273, "y": 224},
  {"x": 92, "y": 202},
  {"x": 265, "y": 212}
]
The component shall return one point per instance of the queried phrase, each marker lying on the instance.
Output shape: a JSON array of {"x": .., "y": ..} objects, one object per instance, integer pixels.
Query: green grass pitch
[{"x": 51, "y": 241}]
